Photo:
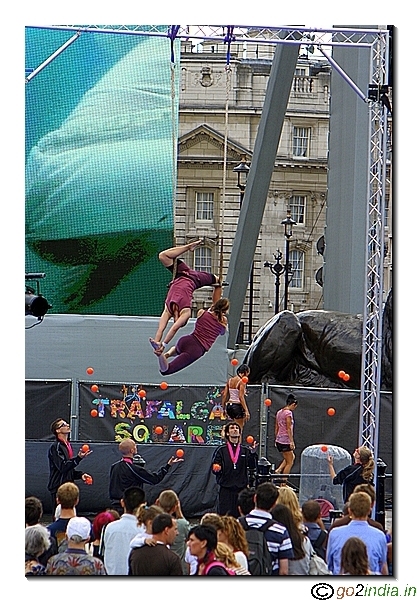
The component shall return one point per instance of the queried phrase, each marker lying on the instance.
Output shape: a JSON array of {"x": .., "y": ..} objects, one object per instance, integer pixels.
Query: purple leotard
[
  {"x": 183, "y": 285},
  {"x": 191, "y": 347}
]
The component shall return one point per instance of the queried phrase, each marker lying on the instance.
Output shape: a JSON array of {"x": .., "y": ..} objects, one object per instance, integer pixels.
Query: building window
[
  {"x": 301, "y": 139},
  {"x": 204, "y": 206},
  {"x": 386, "y": 211},
  {"x": 296, "y": 260},
  {"x": 203, "y": 259},
  {"x": 300, "y": 71},
  {"x": 298, "y": 207}
]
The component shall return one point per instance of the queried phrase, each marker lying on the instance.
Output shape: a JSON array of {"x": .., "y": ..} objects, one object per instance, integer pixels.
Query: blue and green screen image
[{"x": 99, "y": 170}]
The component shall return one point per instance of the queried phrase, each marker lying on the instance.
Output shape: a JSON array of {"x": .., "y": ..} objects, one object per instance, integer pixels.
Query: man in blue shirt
[
  {"x": 116, "y": 539},
  {"x": 376, "y": 544}
]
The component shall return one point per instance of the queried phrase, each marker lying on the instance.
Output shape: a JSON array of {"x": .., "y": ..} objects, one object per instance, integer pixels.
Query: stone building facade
[{"x": 217, "y": 102}]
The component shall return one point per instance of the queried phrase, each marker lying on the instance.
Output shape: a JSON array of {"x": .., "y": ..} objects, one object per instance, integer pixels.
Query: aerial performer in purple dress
[
  {"x": 180, "y": 295},
  {"x": 208, "y": 326}
]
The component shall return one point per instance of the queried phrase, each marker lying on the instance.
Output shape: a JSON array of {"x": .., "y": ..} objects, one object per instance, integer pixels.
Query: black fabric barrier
[
  {"x": 190, "y": 420},
  {"x": 44, "y": 402},
  {"x": 191, "y": 479},
  {"x": 313, "y": 425}
]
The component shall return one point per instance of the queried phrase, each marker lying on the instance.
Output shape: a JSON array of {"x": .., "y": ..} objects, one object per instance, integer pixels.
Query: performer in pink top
[
  {"x": 233, "y": 398},
  {"x": 284, "y": 435},
  {"x": 208, "y": 326},
  {"x": 179, "y": 298}
]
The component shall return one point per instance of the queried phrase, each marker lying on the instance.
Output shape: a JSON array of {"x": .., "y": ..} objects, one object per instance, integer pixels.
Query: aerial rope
[{"x": 229, "y": 38}]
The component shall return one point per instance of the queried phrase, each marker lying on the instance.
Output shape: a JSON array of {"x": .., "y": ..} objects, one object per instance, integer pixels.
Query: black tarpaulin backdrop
[
  {"x": 191, "y": 479},
  {"x": 45, "y": 402},
  {"x": 313, "y": 425}
]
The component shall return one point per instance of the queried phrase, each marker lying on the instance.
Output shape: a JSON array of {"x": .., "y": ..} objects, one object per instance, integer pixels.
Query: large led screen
[{"x": 100, "y": 169}]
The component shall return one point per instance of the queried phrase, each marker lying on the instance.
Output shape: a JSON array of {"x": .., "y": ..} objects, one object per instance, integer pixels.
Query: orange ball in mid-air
[
  {"x": 163, "y": 385},
  {"x": 180, "y": 453},
  {"x": 94, "y": 388},
  {"x": 90, "y": 370},
  {"x": 158, "y": 430},
  {"x": 249, "y": 439},
  {"x": 142, "y": 393},
  {"x": 85, "y": 448},
  {"x": 234, "y": 361},
  {"x": 268, "y": 401},
  {"x": 216, "y": 467},
  {"x": 93, "y": 412},
  {"x": 324, "y": 448},
  {"x": 346, "y": 377},
  {"x": 341, "y": 374},
  {"x": 245, "y": 379},
  {"x": 331, "y": 412}
]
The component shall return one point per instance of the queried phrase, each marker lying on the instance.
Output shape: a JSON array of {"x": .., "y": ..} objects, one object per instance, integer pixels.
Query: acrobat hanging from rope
[
  {"x": 180, "y": 295},
  {"x": 208, "y": 326}
]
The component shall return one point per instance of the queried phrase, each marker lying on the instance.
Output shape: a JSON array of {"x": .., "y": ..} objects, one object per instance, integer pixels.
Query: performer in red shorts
[{"x": 179, "y": 299}]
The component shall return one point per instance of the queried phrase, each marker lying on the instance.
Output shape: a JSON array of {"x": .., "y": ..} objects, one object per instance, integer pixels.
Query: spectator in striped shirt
[{"x": 277, "y": 536}]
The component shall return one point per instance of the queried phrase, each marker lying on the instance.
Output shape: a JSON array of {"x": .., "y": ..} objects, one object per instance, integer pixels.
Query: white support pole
[{"x": 52, "y": 57}]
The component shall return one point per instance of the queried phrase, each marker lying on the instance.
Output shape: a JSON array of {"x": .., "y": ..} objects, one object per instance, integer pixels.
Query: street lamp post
[
  {"x": 242, "y": 170},
  {"x": 278, "y": 269},
  {"x": 288, "y": 223}
]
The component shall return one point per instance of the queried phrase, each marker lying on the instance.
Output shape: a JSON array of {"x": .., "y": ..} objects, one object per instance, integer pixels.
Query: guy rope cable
[{"x": 228, "y": 40}]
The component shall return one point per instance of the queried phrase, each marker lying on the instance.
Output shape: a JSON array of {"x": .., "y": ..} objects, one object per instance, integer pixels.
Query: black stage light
[{"x": 36, "y": 306}]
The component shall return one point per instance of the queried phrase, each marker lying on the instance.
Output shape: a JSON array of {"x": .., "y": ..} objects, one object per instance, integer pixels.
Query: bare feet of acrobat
[{"x": 193, "y": 245}]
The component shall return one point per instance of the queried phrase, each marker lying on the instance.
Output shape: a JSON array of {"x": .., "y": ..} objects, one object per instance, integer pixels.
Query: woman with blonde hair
[
  {"x": 289, "y": 498},
  {"x": 226, "y": 555},
  {"x": 361, "y": 471},
  {"x": 233, "y": 535},
  {"x": 145, "y": 515}
]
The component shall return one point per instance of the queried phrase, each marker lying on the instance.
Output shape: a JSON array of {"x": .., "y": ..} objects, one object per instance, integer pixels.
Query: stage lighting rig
[{"x": 35, "y": 304}]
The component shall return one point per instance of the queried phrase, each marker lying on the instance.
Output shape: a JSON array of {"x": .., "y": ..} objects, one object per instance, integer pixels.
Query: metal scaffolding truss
[
  {"x": 315, "y": 36},
  {"x": 377, "y": 40}
]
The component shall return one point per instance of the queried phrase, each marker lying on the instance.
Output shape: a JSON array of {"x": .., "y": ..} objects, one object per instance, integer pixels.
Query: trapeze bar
[
  {"x": 51, "y": 58},
  {"x": 343, "y": 74}
]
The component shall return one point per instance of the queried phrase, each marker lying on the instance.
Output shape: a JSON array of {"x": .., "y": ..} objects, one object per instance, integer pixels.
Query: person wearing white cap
[{"x": 75, "y": 560}]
